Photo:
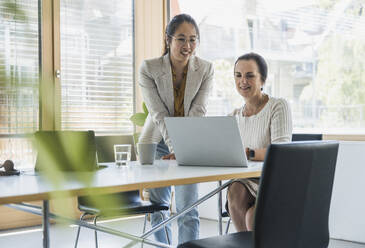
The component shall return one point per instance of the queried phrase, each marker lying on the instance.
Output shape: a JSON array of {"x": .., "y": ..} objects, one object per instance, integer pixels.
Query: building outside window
[{"x": 313, "y": 50}]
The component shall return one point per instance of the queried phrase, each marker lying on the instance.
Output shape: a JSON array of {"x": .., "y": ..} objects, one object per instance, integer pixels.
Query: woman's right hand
[
  {"x": 170, "y": 156},
  {"x": 247, "y": 151}
]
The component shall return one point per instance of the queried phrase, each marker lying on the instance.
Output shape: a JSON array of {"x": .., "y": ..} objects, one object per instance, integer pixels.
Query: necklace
[{"x": 260, "y": 105}]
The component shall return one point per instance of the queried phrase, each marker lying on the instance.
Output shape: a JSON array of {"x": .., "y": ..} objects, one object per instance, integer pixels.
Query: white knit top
[{"x": 273, "y": 124}]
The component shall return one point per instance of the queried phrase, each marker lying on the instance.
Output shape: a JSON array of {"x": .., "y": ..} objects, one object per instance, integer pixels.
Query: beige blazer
[{"x": 155, "y": 80}]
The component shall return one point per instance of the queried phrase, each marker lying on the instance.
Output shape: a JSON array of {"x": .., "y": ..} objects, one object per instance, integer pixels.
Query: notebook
[{"x": 206, "y": 141}]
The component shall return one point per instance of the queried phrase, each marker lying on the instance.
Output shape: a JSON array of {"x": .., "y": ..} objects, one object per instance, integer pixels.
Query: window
[
  {"x": 97, "y": 71},
  {"x": 19, "y": 70},
  {"x": 97, "y": 66},
  {"x": 313, "y": 50}
]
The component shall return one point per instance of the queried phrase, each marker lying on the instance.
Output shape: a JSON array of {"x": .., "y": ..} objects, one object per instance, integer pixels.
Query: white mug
[{"x": 146, "y": 152}]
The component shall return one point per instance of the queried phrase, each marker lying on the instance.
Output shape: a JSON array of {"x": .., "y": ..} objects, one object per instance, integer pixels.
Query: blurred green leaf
[
  {"x": 145, "y": 108},
  {"x": 13, "y": 11},
  {"x": 138, "y": 119}
]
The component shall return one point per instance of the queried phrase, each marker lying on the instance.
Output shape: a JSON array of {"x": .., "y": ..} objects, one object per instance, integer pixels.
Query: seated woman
[{"x": 262, "y": 120}]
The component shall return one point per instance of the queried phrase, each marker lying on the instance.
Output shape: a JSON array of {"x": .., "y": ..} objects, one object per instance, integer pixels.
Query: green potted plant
[{"x": 139, "y": 119}]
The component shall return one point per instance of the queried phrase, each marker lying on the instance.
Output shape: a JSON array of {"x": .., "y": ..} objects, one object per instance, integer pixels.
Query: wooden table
[{"x": 30, "y": 186}]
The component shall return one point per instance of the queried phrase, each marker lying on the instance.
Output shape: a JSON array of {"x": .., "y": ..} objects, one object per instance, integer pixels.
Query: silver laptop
[{"x": 206, "y": 141}]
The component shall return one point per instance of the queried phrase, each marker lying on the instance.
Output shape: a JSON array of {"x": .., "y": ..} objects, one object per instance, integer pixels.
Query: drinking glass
[{"x": 122, "y": 154}]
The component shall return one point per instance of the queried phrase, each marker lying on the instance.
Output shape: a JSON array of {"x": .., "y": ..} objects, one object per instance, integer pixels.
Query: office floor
[{"x": 63, "y": 236}]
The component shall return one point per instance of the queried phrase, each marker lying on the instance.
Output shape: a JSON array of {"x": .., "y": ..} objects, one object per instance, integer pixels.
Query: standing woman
[
  {"x": 176, "y": 84},
  {"x": 262, "y": 120}
]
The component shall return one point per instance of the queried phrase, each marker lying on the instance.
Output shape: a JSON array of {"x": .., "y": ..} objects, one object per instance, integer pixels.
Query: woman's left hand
[{"x": 170, "y": 156}]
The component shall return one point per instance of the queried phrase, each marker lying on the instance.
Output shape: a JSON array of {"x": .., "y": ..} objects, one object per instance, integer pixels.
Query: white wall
[{"x": 347, "y": 213}]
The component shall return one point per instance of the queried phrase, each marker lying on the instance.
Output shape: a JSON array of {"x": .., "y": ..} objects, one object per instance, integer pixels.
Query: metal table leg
[
  {"x": 38, "y": 211},
  {"x": 44, "y": 212},
  {"x": 220, "y": 225},
  {"x": 185, "y": 210},
  {"x": 45, "y": 223}
]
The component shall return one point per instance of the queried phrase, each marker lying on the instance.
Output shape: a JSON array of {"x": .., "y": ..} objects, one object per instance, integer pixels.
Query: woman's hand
[
  {"x": 170, "y": 156},
  {"x": 259, "y": 154},
  {"x": 247, "y": 151}
]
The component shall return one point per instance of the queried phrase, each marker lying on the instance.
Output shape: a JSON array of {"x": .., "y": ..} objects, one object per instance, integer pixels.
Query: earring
[{"x": 262, "y": 88}]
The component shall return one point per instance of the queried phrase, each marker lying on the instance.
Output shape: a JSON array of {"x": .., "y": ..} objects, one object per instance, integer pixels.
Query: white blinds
[
  {"x": 19, "y": 66},
  {"x": 97, "y": 65}
]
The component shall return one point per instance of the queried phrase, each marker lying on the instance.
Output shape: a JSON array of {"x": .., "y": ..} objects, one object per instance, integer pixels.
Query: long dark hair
[
  {"x": 260, "y": 61},
  {"x": 173, "y": 25}
]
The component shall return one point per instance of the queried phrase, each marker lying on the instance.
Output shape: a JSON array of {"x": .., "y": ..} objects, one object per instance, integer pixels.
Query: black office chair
[
  {"x": 293, "y": 201},
  {"x": 295, "y": 137},
  {"x": 118, "y": 204},
  {"x": 306, "y": 136}
]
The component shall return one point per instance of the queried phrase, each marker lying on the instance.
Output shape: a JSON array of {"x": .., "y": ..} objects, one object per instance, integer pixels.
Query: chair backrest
[
  {"x": 105, "y": 152},
  {"x": 306, "y": 136},
  {"x": 295, "y": 194},
  {"x": 105, "y": 146},
  {"x": 65, "y": 150}
]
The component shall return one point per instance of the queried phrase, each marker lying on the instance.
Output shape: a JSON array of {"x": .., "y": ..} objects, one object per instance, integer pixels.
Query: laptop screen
[
  {"x": 65, "y": 150},
  {"x": 206, "y": 141}
]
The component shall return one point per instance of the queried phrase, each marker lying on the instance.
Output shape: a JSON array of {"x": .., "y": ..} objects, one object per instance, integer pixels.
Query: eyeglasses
[{"x": 193, "y": 41}]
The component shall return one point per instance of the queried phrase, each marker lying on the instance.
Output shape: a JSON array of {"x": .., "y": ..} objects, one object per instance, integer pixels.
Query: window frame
[
  {"x": 149, "y": 23},
  {"x": 53, "y": 121}
]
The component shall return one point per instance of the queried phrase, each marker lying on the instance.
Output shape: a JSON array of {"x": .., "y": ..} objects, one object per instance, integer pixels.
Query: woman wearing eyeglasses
[
  {"x": 176, "y": 84},
  {"x": 262, "y": 120}
]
